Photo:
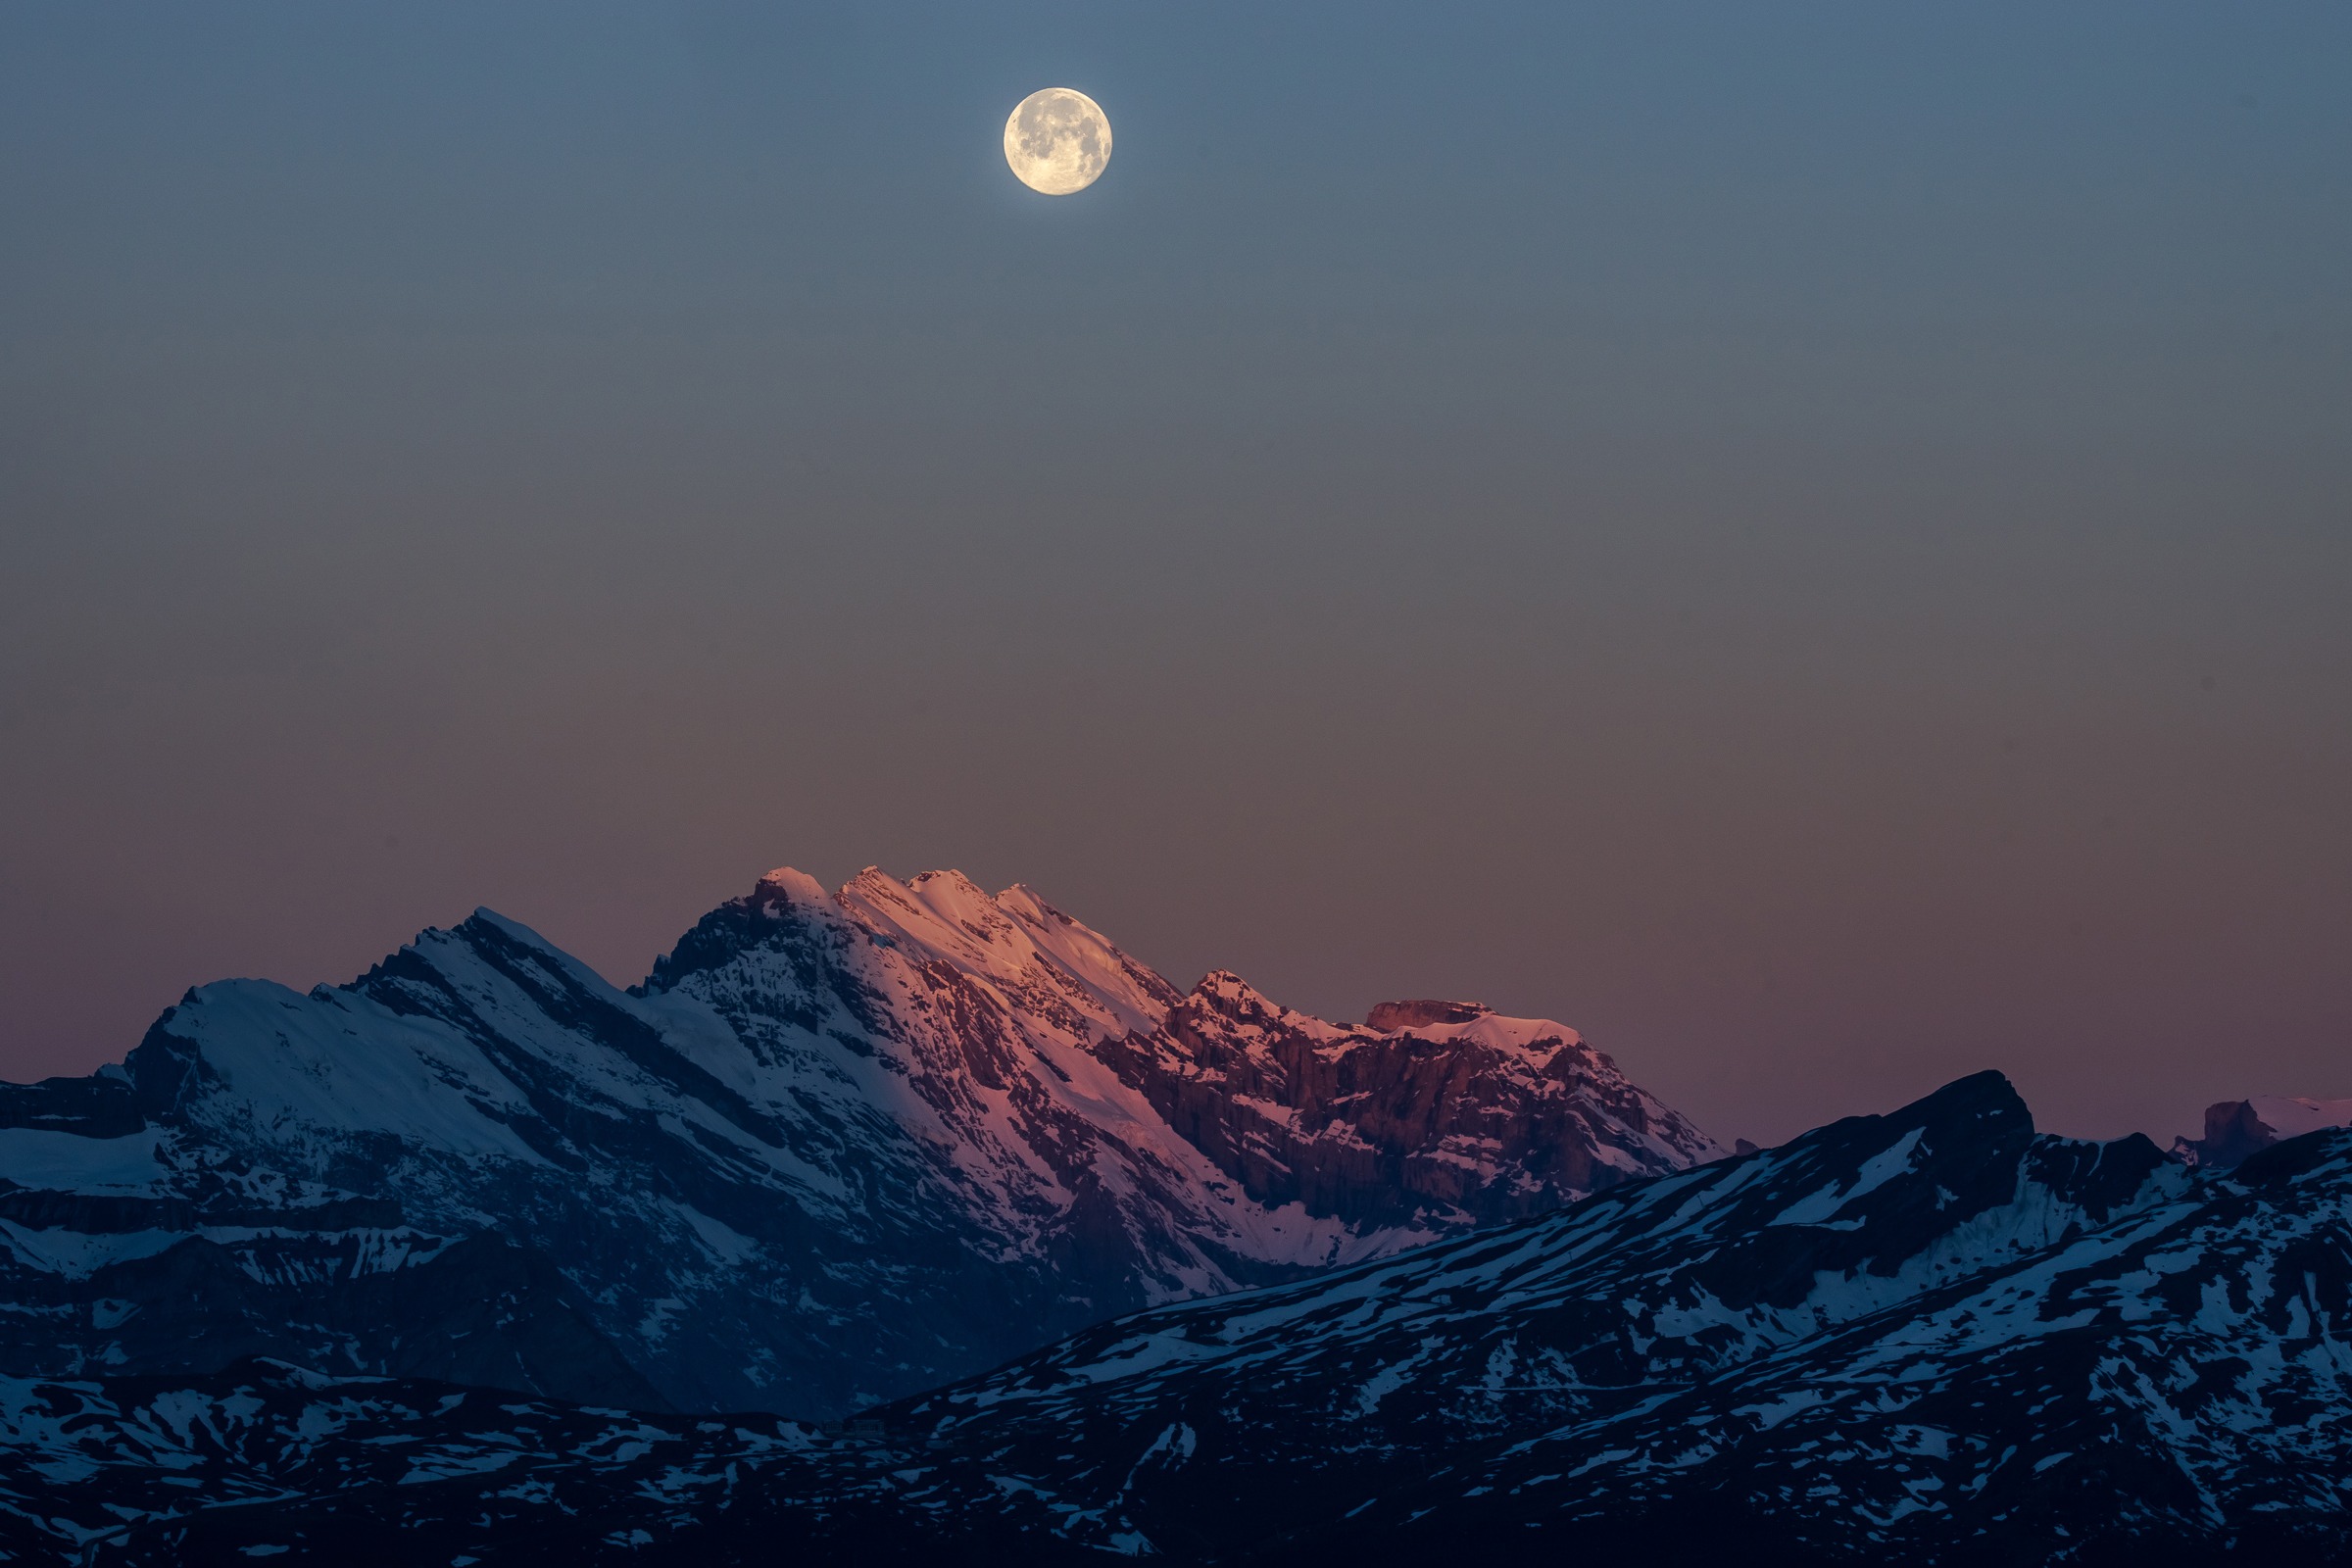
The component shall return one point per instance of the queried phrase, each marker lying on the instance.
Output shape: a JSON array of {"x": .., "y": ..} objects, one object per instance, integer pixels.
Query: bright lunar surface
[{"x": 1057, "y": 141}]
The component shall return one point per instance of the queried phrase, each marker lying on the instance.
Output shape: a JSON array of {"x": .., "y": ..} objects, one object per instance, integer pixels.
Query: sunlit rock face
[
  {"x": 839, "y": 1147},
  {"x": 1388, "y": 1015},
  {"x": 1432, "y": 1117}
]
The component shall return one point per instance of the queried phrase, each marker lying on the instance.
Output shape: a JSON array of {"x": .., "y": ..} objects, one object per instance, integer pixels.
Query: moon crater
[{"x": 1057, "y": 141}]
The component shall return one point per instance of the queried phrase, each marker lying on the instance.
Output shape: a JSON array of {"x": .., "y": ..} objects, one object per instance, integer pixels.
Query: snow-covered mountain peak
[
  {"x": 1016, "y": 943},
  {"x": 508, "y": 926},
  {"x": 794, "y": 886},
  {"x": 1231, "y": 1008},
  {"x": 837, "y": 1146},
  {"x": 485, "y": 929},
  {"x": 1534, "y": 1038}
]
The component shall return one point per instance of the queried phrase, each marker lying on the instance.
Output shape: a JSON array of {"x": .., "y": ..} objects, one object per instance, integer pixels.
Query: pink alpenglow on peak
[
  {"x": 1444, "y": 1124},
  {"x": 839, "y": 1146},
  {"x": 1433, "y": 1116},
  {"x": 796, "y": 886},
  {"x": 1392, "y": 1015}
]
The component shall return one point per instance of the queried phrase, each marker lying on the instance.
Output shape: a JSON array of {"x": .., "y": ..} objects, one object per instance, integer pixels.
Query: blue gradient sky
[{"x": 1812, "y": 542}]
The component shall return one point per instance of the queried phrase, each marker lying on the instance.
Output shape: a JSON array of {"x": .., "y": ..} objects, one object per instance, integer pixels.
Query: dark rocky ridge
[{"x": 101, "y": 1105}]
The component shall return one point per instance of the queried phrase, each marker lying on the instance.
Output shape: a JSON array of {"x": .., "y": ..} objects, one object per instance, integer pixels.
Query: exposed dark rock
[
  {"x": 102, "y": 1106},
  {"x": 2232, "y": 1133}
]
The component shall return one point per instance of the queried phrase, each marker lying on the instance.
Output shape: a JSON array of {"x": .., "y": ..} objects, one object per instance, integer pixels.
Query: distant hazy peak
[{"x": 2237, "y": 1129}]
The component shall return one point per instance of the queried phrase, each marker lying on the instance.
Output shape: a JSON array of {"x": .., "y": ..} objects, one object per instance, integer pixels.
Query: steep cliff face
[
  {"x": 1433, "y": 1116},
  {"x": 837, "y": 1147}
]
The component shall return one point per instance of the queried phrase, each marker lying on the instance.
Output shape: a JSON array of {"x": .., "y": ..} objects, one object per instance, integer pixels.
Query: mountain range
[
  {"x": 482, "y": 1261},
  {"x": 1931, "y": 1337},
  {"x": 837, "y": 1147}
]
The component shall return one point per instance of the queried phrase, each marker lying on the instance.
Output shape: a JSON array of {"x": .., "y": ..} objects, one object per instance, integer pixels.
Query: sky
[{"x": 1811, "y": 542}]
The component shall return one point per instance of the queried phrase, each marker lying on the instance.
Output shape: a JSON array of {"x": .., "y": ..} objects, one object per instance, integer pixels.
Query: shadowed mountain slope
[{"x": 1931, "y": 1337}]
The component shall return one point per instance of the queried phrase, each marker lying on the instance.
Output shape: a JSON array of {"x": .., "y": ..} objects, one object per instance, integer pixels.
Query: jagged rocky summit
[
  {"x": 1932, "y": 1337},
  {"x": 838, "y": 1148}
]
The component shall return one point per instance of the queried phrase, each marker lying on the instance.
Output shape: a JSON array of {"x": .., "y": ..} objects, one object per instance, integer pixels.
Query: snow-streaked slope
[
  {"x": 838, "y": 1146},
  {"x": 1927, "y": 1338},
  {"x": 2176, "y": 1381},
  {"x": 1931, "y": 1337},
  {"x": 165, "y": 1470},
  {"x": 1577, "y": 1316}
]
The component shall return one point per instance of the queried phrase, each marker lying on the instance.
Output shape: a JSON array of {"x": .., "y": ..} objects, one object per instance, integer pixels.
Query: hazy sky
[{"x": 1811, "y": 542}]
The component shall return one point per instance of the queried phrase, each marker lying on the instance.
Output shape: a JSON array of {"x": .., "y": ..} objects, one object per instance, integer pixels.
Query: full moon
[{"x": 1057, "y": 141}]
